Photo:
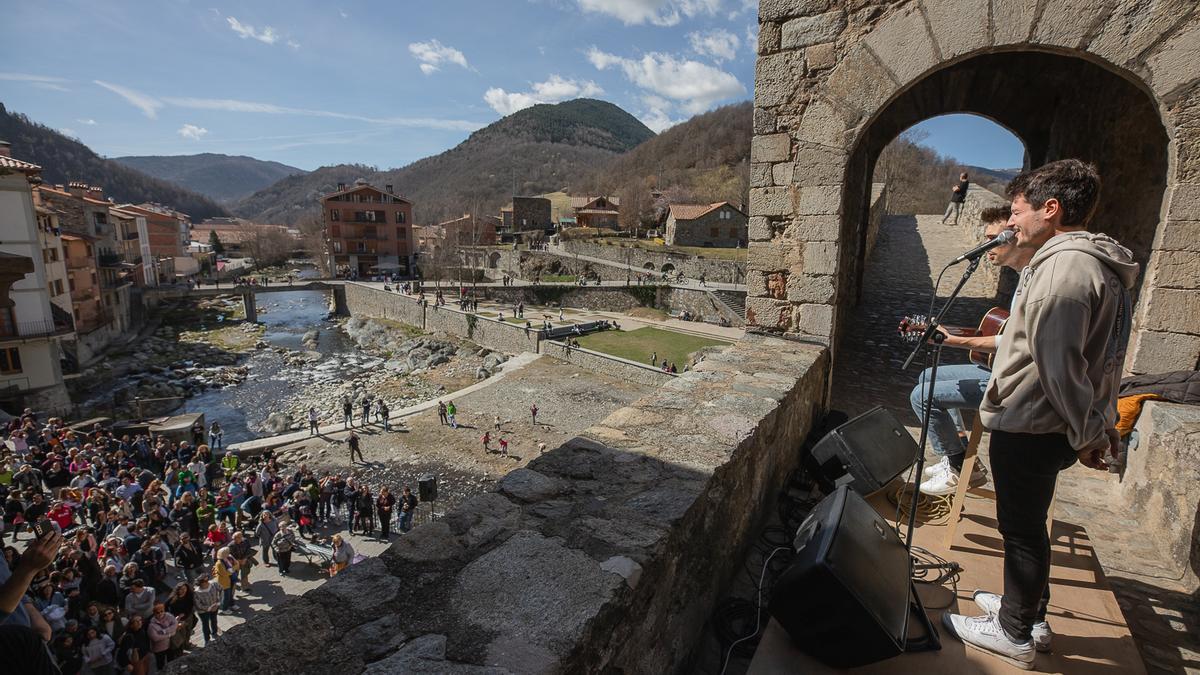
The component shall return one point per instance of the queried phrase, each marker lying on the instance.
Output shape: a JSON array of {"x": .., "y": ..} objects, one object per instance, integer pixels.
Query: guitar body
[{"x": 911, "y": 328}]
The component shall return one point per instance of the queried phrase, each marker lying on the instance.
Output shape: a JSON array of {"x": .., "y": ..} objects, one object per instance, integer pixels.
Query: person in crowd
[
  {"x": 207, "y": 601},
  {"x": 284, "y": 543},
  {"x": 408, "y": 507},
  {"x": 266, "y": 530},
  {"x": 161, "y": 628},
  {"x": 343, "y": 555},
  {"x": 225, "y": 570},
  {"x": 383, "y": 508},
  {"x": 134, "y": 650},
  {"x": 98, "y": 649},
  {"x": 182, "y": 605}
]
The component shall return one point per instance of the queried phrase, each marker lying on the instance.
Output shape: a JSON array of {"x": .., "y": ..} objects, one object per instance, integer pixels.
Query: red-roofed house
[{"x": 719, "y": 225}]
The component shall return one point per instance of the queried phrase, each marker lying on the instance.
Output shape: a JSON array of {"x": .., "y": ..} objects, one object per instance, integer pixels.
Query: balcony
[
  {"x": 23, "y": 330},
  {"x": 110, "y": 259}
]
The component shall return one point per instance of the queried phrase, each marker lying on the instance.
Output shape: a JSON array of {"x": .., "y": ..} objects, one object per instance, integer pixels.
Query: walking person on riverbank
[
  {"x": 355, "y": 448},
  {"x": 408, "y": 506},
  {"x": 313, "y": 419},
  {"x": 487, "y": 439},
  {"x": 533, "y": 411},
  {"x": 215, "y": 435},
  {"x": 347, "y": 413},
  {"x": 451, "y": 411},
  {"x": 442, "y": 413},
  {"x": 366, "y": 411}
]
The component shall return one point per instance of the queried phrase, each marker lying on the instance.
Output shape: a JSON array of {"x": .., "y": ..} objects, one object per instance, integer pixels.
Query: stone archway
[
  {"x": 493, "y": 260},
  {"x": 834, "y": 86}
]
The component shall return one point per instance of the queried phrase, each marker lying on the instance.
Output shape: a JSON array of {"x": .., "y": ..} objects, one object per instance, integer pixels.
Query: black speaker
[
  {"x": 427, "y": 488},
  {"x": 844, "y": 599},
  {"x": 865, "y": 453}
]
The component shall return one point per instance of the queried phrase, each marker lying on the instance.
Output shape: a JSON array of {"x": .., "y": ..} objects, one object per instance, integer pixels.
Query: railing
[{"x": 34, "y": 329}]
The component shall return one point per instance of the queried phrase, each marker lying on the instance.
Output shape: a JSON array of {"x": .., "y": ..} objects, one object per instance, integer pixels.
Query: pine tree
[{"x": 215, "y": 242}]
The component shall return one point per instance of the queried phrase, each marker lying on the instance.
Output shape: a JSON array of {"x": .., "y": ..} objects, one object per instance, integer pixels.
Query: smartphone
[{"x": 42, "y": 528}]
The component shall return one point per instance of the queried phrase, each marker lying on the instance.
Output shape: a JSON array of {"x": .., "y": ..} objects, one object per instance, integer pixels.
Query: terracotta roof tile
[{"x": 18, "y": 165}]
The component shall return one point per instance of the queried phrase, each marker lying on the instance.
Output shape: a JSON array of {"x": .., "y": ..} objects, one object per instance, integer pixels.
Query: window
[
  {"x": 723, "y": 215},
  {"x": 714, "y": 232},
  {"x": 10, "y": 360},
  {"x": 333, "y": 215},
  {"x": 58, "y": 287},
  {"x": 399, "y": 216},
  {"x": 337, "y": 247},
  {"x": 53, "y": 254},
  {"x": 362, "y": 247}
]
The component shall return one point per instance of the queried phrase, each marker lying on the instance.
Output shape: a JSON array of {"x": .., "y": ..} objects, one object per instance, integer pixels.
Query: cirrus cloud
[
  {"x": 556, "y": 88},
  {"x": 267, "y": 35},
  {"x": 192, "y": 132},
  {"x": 144, "y": 102}
]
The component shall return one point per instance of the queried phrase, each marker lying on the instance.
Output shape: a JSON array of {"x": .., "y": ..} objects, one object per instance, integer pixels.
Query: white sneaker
[
  {"x": 990, "y": 603},
  {"x": 934, "y": 469},
  {"x": 946, "y": 482},
  {"x": 985, "y": 634}
]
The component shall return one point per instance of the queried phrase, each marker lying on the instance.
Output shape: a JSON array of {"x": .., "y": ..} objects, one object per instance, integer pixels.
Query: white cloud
[
  {"x": 293, "y": 44},
  {"x": 717, "y": 44},
  {"x": 752, "y": 37},
  {"x": 433, "y": 54},
  {"x": 39, "y": 81},
  {"x": 244, "y": 30},
  {"x": 147, "y": 104},
  {"x": 556, "y": 88},
  {"x": 50, "y": 86},
  {"x": 343, "y": 13},
  {"x": 87, "y": 122},
  {"x": 694, "y": 86},
  {"x": 192, "y": 132},
  {"x": 657, "y": 12},
  {"x": 233, "y": 105}
]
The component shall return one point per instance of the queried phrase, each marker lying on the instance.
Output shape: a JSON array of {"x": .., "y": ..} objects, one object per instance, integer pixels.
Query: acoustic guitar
[{"x": 911, "y": 329}]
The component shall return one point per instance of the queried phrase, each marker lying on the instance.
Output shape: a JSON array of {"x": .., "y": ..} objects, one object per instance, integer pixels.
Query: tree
[
  {"x": 312, "y": 242},
  {"x": 269, "y": 244},
  {"x": 215, "y": 242}
]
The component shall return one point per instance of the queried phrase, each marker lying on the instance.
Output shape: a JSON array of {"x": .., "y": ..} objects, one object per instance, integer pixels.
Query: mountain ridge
[{"x": 224, "y": 178}]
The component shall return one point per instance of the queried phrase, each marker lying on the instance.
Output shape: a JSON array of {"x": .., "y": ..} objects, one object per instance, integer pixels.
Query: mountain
[
  {"x": 539, "y": 149},
  {"x": 991, "y": 177},
  {"x": 64, "y": 160},
  {"x": 225, "y": 178}
]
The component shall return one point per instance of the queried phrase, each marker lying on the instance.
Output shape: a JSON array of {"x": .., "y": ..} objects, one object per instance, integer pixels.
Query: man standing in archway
[
  {"x": 958, "y": 195},
  {"x": 1052, "y": 396}
]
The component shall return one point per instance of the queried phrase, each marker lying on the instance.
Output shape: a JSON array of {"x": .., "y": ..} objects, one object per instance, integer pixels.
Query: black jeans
[{"x": 1024, "y": 470}]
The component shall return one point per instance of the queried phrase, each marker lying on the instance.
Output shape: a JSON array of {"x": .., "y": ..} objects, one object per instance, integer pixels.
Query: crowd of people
[{"x": 121, "y": 544}]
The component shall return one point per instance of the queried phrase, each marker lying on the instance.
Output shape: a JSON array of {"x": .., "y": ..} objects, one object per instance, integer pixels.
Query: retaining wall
[
  {"x": 606, "y": 364},
  {"x": 606, "y": 554},
  {"x": 724, "y": 271},
  {"x": 485, "y": 332}
]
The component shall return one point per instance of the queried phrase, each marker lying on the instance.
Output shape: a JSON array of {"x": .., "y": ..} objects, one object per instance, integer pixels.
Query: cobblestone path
[{"x": 900, "y": 274}]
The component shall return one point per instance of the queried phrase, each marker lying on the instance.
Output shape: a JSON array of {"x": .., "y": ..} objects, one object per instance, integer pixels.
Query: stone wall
[
  {"x": 978, "y": 199},
  {"x": 1161, "y": 485},
  {"x": 606, "y": 364},
  {"x": 606, "y": 554},
  {"x": 700, "y": 303},
  {"x": 372, "y": 302},
  {"x": 836, "y": 81},
  {"x": 724, "y": 271},
  {"x": 485, "y": 332}
]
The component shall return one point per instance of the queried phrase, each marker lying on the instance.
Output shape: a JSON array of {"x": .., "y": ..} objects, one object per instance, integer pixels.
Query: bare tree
[{"x": 312, "y": 242}]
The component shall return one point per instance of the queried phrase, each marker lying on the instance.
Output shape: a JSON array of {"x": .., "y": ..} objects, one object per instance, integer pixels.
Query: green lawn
[
  {"x": 638, "y": 345},
  {"x": 557, "y": 278}
]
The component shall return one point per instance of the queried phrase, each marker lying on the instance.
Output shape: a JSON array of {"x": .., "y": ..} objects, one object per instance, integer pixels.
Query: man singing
[{"x": 1052, "y": 395}]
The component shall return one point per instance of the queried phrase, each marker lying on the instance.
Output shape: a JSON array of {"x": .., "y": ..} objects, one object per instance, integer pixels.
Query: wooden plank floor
[{"x": 1090, "y": 632}]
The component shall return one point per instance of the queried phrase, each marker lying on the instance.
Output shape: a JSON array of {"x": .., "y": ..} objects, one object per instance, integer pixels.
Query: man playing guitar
[{"x": 961, "y": 387}]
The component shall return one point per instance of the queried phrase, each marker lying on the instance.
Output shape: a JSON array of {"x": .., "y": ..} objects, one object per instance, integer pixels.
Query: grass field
[
  {"x": 557, "y": 278},
  {"x": 638, "y": 345}
]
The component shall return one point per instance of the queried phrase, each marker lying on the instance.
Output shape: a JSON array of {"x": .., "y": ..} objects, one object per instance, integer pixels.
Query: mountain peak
[{"x": 582, "y": 121}]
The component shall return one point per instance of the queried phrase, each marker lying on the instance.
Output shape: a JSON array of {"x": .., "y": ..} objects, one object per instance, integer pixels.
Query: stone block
[
  {"x": 959, "y": 26},
  {"x": 818, "y": 165},
  {"x": 756, "y": 282},
  {"x": 764, "y": 121},
  {"x": 769, "y": 36},
  {"x": 860, "y": 82},
  {"x": 775, "y": 10},
  {"x": 771, "y": 201},
  {"x": 903, "y": 44},
  {"x": 1179, "y": 236},
  {"x": 1171, "y": 310},
  {"x": 810, "y": 30},
  {"x": 768, "y": 313},
  {"x": 815, "y": 319},
  {"x": 814, "y": 228},
  {"x": 1012, "y": 21},
  {"x": 777, "y": 77},
  {"x": 761, "y": 229},
  {"x": 770, "y": 148},
  {"x": 1159, "y": 352},
  {"x": 1173, "y": 63},
  {"x": 776, "y": 285},
  {"x": 821, "y": 125},
  {"x": 1133, "y": 27},
  {"x": 1185, "y": 202},
  {"x": 809, "y": 288},
  {"x": 820, "y": 257},
  {"x": 819, "y": 200},
  {"x": 781, "y": 174},
  {"x": 765, "y": 256},
  {"x": 1065, "y": 23},
  {"x": 820, "y": 57},
  {"x": 760, "y": 175},
  {"x": 1174, "y": 269},
  {"x": 628, "y": 570}
]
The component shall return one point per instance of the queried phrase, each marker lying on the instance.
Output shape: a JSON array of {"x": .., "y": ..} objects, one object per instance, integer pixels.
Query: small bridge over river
[{"x": 248, "y": 292}]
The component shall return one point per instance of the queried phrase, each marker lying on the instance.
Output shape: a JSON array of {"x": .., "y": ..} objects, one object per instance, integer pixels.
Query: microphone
[{"x": 1005, "y": 237}]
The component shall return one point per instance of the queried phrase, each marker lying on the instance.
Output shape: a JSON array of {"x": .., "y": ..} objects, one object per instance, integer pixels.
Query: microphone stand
[{"x": 932, "y": 338}]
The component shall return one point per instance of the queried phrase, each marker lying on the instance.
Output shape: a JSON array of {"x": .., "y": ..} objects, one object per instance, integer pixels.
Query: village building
[
  {"x": 468, "y": 231},
  {"x": 597, "y": 212},
  {"x": 720, "y": 225},
  {"x": 526, "y": 214},
  {"x": 169, "y": 233},
  {"x": 368, "y": 230},
  {"x": 31, "y": 326}
]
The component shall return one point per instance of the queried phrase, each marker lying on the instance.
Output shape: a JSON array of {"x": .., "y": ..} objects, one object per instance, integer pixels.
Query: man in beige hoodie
[{"x": 1052, "y": 396}]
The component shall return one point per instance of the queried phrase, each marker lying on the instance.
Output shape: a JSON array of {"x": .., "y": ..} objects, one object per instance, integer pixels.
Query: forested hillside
[
  {"x": 224, "y": 178},
  {"x": 64, "y": 160}
]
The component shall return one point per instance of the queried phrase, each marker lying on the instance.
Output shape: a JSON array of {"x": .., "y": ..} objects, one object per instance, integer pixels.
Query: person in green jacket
[{"x": 451, "y": 410}]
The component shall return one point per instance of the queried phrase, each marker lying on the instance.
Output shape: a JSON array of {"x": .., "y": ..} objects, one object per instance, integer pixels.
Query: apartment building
[
  {"x": 133, "y": 233},
  {"x": 368, "y": 230},
  {"x": 30, "y": 328},
  {"x": 169, "y": 233}
]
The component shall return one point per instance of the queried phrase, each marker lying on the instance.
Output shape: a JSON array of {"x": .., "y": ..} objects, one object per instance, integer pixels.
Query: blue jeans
[
  {"x": 406, "y": 518},
  {"x": 957, "y": 387}
]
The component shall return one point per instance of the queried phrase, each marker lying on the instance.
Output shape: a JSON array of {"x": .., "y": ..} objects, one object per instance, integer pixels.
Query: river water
[{"x": 242, "y": 409}]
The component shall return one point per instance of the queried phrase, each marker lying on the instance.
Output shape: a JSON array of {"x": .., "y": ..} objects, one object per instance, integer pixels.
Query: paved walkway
[{"x": 899, "y": 279}]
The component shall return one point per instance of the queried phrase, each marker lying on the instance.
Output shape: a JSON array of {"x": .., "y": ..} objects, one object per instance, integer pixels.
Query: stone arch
[
  {"x": 493, "y": 260},
  {"x": 648, "y": 266},
  {"x": 667, "y": 268},
  {"x": 826, "y": 103}
]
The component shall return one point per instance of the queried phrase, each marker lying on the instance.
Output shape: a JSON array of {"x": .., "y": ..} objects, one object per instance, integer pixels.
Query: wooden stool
[{"x": 964, "y": 482}]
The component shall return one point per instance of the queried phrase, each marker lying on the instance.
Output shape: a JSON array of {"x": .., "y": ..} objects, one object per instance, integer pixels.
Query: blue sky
[{"x": 383, "y": 83}]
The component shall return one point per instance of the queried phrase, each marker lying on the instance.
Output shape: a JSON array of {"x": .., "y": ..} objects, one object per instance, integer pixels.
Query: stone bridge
[
  {"x": 609, "y": 554},
  {"x": 154, "y": 295}
]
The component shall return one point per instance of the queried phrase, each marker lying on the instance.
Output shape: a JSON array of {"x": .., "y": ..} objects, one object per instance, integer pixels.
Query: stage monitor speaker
[
  {"x": 844, "y": 599},
  {"x": 427, "y": 488},
  {"x": 867, "y": 452}
]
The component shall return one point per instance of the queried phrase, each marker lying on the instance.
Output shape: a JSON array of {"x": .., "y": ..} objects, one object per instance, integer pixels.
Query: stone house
[
  {"x": 598, "y": 211},
  {"x": 720, "y": 225},
  {"x": 526, "y": 213}
]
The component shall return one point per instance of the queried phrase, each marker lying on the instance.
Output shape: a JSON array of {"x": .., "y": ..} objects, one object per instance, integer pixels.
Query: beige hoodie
[{"x": 1058, "y": 368}]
